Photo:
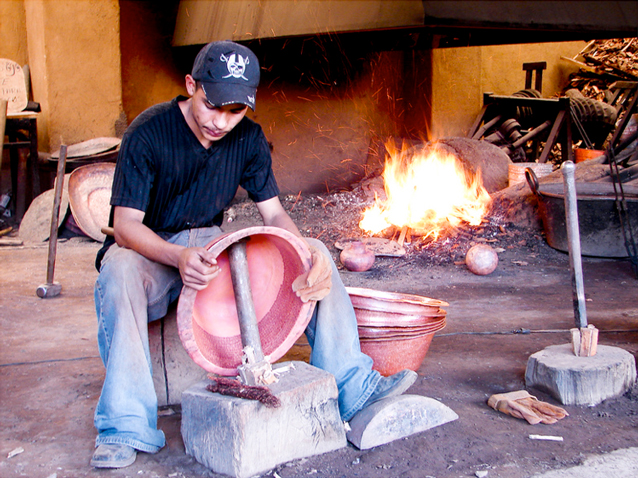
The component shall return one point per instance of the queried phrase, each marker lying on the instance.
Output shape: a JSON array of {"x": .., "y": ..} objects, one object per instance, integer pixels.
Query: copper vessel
[
  {"x": 207, "y": 319},
  {"x": 396, "y": 329}
]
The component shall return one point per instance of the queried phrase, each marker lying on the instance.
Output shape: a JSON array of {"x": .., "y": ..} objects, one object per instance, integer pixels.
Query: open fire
[{"x": 428, "y": 193}]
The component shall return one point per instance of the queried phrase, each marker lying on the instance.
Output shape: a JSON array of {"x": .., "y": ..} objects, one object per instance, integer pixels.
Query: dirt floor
[{"x": 51, "y": 375}]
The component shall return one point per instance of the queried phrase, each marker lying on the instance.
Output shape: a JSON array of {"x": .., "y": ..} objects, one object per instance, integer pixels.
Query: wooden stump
[{"x": 576, "y": 380}]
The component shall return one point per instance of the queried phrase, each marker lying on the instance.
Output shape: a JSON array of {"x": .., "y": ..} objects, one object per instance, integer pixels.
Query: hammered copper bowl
[
  {"x": 395, "y": 329},
  {"x": 207, "y": 319},
  {"x": 392, "y": 355}
]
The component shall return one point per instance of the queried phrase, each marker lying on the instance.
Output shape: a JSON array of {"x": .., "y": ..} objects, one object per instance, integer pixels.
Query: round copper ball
[{"x": 481, "y": 259}]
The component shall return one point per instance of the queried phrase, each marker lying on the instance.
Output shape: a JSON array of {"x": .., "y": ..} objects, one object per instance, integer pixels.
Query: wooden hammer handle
[{"x": 55, "y": 214}]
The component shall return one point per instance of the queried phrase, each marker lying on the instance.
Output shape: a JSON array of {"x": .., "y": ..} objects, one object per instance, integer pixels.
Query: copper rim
[
  {"x": 395, "y": 296},
  {"x": 380, "y": 333},
  {"x": 393, "y": 319}
]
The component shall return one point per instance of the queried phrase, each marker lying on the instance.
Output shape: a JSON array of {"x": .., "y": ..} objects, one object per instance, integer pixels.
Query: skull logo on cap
[{"x": 236, "y": 65}]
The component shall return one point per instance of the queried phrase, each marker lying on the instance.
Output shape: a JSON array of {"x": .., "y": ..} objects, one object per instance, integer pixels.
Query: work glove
[
  {"x": 521, "y": 404},
  {"x": 314, "y": 284}
]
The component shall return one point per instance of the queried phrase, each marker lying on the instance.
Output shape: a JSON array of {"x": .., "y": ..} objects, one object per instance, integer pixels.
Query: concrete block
[
  {"x": 243, "y": 438},
  {"x": 167, "y": 349},
  {"x": 576, "y": 380},
  {"x": 397, "y": 417}
]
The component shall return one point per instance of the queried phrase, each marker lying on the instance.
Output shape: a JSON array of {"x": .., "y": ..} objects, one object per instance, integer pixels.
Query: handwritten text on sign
[{"x": 12, "y": 86}]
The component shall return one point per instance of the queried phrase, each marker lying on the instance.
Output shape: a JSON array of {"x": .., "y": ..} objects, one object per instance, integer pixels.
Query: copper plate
[
  {"x": 392, "y": 332},
  {"x": 392, "y": 301},
  {"x": 90, "y": 196},
  {"x": 89, "y": 147}
]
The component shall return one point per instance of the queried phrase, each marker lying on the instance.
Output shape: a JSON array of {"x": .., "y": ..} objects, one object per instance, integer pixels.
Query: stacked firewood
[{"x": 603, "y": 62}]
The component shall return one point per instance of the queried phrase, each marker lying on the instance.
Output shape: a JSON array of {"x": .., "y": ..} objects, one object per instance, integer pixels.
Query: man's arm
[
  {"x": 314, "y": 284},
  {"x": 196, "y": 265},
  {"x": 274, "y": 214}
]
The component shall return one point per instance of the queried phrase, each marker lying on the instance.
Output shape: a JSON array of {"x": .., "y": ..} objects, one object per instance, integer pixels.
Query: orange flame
[{"x": 427, "y": 191}]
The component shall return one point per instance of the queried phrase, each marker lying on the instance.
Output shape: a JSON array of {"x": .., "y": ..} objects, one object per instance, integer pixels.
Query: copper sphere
[{"x": 481, "y": 259}]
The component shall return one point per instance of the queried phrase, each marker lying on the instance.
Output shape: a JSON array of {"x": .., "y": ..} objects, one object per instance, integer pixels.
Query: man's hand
[
  {"x": 198, "y": 267},
  {"x": 316, "y": 283}
]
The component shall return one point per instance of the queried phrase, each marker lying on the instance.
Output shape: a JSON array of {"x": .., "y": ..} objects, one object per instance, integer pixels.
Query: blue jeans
[{"x": 132, "y": 291}]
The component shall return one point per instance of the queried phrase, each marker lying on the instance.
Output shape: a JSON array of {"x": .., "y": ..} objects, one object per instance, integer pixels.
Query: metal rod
[
  {"x": 486, "y": 126},
  {"x": 3, "y": 122},
  {"x": 533, "y": 133},
  {"x": 573, "y": 240},
  {"x": 244, "y": 298}
]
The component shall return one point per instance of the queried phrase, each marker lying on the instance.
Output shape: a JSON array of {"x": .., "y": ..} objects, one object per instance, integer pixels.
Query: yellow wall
[
  {"x": 72, "y": 49},
  {"x": 460, "y": 76},
  {"x": 13, "y": 31}
]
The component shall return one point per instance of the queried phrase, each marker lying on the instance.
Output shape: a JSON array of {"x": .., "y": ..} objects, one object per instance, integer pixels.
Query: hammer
[
  {"x": 584, "y": 336},
  {"x": 51, "y": 288}
]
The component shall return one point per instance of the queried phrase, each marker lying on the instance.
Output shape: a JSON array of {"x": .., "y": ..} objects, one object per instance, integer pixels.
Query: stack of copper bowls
[{"x": 396, "y": 329}]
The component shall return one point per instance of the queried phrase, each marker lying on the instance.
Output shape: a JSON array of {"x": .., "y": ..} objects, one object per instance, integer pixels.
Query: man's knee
[{"x": 122, "y": 265}]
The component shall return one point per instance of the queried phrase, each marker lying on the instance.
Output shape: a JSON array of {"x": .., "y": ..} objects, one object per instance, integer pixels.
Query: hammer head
[{"x": 45, "y": 291}]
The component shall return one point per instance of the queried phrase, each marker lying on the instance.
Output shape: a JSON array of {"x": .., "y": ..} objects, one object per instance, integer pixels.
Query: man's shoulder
[
  {"x": 154, "y": 113},
  {"x": 247, "y": 127}
]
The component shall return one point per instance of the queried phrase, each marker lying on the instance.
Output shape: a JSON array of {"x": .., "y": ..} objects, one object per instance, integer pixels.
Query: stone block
[
  {"x": 243, "y": 438},
  {"x": 576, "y": 380},
  {"x": 397, "y": 417}
]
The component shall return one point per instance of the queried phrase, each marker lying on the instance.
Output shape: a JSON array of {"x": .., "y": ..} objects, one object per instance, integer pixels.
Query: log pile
[{"x": 603, "y": 62}]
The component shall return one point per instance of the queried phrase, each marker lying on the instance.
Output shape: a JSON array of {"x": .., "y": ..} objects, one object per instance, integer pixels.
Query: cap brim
[{"x": 222, "y": 94}]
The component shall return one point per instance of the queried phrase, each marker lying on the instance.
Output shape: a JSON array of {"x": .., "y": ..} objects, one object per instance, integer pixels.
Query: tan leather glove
[
  {"x": 316, "y": 283},
  {"x": 521, "y": 404}
]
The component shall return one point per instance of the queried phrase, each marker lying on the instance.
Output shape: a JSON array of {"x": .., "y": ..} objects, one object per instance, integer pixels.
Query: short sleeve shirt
[{"x": 163, "y": 170}]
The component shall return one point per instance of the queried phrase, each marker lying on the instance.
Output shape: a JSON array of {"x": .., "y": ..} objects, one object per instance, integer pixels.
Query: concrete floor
[{"x": 51, "y": 374}]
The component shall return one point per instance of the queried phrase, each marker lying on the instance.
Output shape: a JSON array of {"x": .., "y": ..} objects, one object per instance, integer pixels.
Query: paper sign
[{"x": 12, "y": 86}]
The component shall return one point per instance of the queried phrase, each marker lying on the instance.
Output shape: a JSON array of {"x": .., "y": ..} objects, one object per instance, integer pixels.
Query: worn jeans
[{"x": 132, "y": 291}]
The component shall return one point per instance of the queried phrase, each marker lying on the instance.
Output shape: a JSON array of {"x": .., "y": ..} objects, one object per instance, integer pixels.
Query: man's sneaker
[
  {"x": 113, "y": 456},
  {"x": 392, "y": 386}
]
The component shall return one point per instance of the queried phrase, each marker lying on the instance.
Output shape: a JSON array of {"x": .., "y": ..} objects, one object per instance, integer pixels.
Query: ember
[{"x": 429, "y": 193}]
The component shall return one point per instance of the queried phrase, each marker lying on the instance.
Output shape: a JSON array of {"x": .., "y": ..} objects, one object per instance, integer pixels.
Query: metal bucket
[{"x": 601, "y": 233}]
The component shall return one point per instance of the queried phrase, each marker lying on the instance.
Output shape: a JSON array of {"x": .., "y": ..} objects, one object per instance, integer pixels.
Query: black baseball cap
[{"x": 228, "y": 72}]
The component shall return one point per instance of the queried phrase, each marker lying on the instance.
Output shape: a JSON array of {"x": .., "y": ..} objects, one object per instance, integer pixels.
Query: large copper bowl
[
  {"x": 207, "y": 319},
  {"x": 396, "y": 329},
  {"x": 392, "y": 355}
]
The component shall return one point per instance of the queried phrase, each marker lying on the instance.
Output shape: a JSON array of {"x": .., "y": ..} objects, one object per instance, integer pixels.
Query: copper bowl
[
  {"x": 392, "y": 355},
  {"x": 396, "y": 329},
  {"x": 207, "y": 319}
]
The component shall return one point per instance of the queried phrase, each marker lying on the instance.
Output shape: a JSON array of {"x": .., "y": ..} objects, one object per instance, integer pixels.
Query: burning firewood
[{"x": 404, "y": 231}]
